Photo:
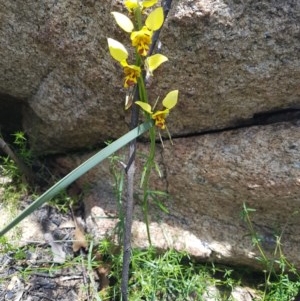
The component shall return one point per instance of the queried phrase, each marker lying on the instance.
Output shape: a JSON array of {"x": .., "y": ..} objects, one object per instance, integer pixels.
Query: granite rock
[
  {"x": 209, "y": 179},
  {"x": 230, "y": 60}
]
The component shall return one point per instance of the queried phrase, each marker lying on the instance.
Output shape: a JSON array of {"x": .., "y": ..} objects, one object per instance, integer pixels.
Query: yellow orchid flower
[
  {"x": 120, "y": 54},
  {"x": 131, "y": 5},
  {"x": 141, "y": 39},
  {"x": 169, "y": 102},
  {"x": 132, "y": 73}
]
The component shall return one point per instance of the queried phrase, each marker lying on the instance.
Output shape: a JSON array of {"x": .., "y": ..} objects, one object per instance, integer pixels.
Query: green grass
[
  {"x": 168, "y": 275},
  {"x": 173, "y": 275}
]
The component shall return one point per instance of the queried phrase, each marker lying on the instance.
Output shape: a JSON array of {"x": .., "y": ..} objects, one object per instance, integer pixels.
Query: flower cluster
[
  {"x": 159, "y": 116},
  {"x": 141, "y": 39}
]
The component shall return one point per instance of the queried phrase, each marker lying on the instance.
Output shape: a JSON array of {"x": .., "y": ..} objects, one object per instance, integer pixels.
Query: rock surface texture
[
  {"x": 209, "y": 177},
  {"x": 231, "y": 61}
]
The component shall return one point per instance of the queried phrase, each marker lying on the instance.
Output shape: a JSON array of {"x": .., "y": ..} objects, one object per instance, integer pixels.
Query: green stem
[
  {"x": 143, "y": 92},
  {"x": 150, "y": 160},
  {"x": 138, "y": 18},
  {"x": 145, "y": 184}
]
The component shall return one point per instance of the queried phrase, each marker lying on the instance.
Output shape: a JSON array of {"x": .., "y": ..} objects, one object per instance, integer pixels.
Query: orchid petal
[
  {"x": 131, "y": 4},
  {"x": 155, "y": 19},
  {"x": 145, "y": 106},
  {"x": 163, "y": 114},
  {"x": 117, "y": 50},
  {"x": 149, "y": 3},
  {"x": 123, "y": 21},
  {"x": 154, "y": 61},
  {"x": 170, "y": 100}
]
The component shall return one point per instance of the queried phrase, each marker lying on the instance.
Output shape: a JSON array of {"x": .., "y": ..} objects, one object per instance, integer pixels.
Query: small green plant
[
  {"x": 17, "y": 164},
  {"x": 63, "y": 202},
  {"x": 277, "y": 269},
  {"x": 21, "y": 143},
  {"x": 5, "y": 245},
  {"x": 9, "y": 169},
  {"x": 164, "y": 277}
]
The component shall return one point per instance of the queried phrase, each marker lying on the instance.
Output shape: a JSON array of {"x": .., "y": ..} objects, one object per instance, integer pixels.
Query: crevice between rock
[
  {"x": 258, "y": 119},
  {"x": 10, "y": 116}
]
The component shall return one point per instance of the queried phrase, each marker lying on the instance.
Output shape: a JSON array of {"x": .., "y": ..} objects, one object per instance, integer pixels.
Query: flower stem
[
  {"x": 130, "y": 169},
  {"x": 150, "y": 160},
  {"x": 147, "y": 172}
]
